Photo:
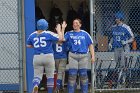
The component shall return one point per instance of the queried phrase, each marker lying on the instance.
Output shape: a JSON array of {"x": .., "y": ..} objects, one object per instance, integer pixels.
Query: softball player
[
  {"x": 60, "y": 56},
  {"x": 41, "y": 41},
  {"x": 80, "y": 43},
  {"x": 121, "y": 37}
]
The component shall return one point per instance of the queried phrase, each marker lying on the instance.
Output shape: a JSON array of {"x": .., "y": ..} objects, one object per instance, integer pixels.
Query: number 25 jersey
[{"x": 42, "y": 43}]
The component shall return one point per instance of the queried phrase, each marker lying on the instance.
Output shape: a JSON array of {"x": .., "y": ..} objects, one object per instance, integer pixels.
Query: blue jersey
[
  {"x": 120, "y": 33},
  {"x": 42, "y": 43},
  {"x": 60, "y": 50},
  {"x": 78, "y": 42}
]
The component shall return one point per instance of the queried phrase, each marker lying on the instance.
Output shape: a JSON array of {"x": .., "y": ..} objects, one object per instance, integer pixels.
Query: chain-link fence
[
  {"x": 10, "y": 52},
  {"x": 109, "y": 76}
]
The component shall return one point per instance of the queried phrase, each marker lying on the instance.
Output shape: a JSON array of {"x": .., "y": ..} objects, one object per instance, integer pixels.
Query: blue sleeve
[
  {"x": 89, "y": 40},
  {"x": 66, "y": 46},
  {"x": 29, "y": 42},
  {"x": 129, "y": 33},
  {"x": 66, "y": 36},
  {"x": 53, "y": 37}
]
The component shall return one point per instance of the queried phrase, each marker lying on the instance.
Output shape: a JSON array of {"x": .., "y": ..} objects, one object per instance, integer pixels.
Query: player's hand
[
  {"x": 29, "y": 46},
  {"x": 92, "y": 59},
  {"x": 110, "y": 46},
  {"x": 58, "y": 27},
  {"x": 64, "y": 25}
]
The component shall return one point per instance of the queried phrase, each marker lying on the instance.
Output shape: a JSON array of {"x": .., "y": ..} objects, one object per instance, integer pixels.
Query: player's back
[
  {"x": 60, "y": 50},
  {"x": 42, "y": 42}
]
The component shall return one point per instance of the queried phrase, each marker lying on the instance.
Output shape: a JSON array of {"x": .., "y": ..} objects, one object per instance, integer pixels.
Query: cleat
[{"x": 35, "y": 90}]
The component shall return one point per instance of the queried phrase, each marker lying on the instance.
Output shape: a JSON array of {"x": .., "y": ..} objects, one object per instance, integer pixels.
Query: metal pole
[
  {"x": 91, "y": 18},
  {"x": 92, "y": 33},
  {"x": 20, "y": 45}
]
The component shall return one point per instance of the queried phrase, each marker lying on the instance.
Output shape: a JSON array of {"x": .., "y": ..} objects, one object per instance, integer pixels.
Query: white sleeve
[{"x": 132, "y": 35}]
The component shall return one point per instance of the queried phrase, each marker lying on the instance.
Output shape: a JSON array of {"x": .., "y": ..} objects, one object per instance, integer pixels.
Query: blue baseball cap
[
  {"x": 42, "y": 24},
  {"x": 119, "y": 15}
]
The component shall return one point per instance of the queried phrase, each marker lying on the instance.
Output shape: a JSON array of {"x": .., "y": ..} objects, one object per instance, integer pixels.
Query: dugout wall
[{"x": 29, "y": 22}]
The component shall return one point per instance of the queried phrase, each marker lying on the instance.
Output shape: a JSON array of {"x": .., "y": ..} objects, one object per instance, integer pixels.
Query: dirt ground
[{"x": 100, "y": 92}]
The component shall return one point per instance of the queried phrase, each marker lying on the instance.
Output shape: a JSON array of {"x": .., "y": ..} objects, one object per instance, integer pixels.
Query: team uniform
[
  {"x": 60, "y": 56},
  {"x": 79, "y": 43},
  {"x": 122, "y": 36},
  {"x": 43, "y": 56}
]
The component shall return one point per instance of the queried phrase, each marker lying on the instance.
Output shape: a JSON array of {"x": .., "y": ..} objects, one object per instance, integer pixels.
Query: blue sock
[
  {"x": 36, "y": 81},
  {"x": 50, "y": 85},
  {"x": 71, "y": 88},
  {"x": 59, "y": 83},
  {"x": 84, "y": 88},
  {"x": 50, "y": 90}
]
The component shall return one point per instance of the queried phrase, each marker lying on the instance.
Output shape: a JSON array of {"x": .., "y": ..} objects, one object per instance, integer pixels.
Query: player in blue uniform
[
  {"x": 41, "y": 40},
  {"x": 79, "y": 43},
  {"x": 60, "y": 56},
  {"x": 121, "y": 37}
]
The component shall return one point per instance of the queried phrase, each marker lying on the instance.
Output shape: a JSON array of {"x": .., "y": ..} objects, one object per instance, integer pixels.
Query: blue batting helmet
[
  {"x": 42, "y": 24},
  {"x": 119, "y": 15}
]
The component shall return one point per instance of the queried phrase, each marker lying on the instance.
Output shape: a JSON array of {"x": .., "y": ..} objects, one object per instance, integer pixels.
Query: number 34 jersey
[
  {"x": 42, "y": 43},
  {"x": 78, "y": 42}
]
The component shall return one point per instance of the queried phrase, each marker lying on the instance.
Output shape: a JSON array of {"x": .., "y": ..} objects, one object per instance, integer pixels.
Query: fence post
[
  {"x": 92, "y": 33},
  {"x": 19, "y": 4}
]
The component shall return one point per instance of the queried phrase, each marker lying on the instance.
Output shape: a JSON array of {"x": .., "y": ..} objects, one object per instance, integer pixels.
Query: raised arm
[
  {"x": 59, "y": 32},
  {"x": 64, "y": 25}
]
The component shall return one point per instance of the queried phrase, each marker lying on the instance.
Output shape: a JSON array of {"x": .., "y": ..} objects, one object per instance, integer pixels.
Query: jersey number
[
  {"x": 58, "y": 48},
  {"x": 118, "y": 38},
  {"x": 77, "y": 42},
  {"x": 40, "y": 42}
]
